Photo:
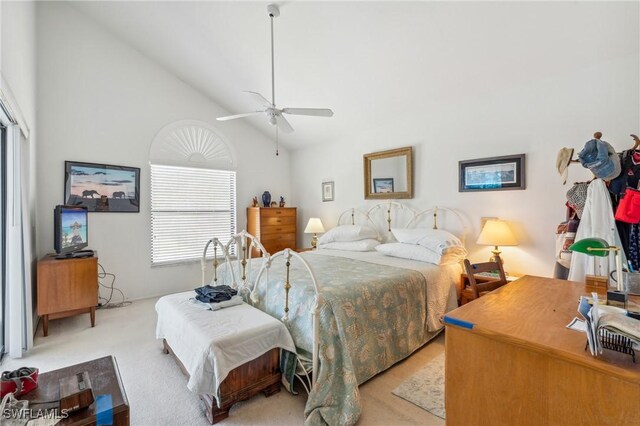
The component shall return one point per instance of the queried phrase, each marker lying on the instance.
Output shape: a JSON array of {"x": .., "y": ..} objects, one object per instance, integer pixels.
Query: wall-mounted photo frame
[
  {"x": 102, "y": 187},
  {"x": 327, "y": 191},
  {"x": 383, "y": 185},
  {"x": 492, "y": 174}
]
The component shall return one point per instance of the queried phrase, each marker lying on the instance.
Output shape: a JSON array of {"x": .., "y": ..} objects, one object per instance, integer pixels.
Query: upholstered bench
[{"x": 230, "y": 355}]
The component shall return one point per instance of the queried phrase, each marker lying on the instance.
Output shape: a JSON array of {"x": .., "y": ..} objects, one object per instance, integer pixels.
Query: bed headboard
[{"x": 384, "y": 216}]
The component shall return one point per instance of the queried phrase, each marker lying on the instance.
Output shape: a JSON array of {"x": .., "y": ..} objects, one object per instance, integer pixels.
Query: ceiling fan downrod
[{"x": 274, "y": 12}]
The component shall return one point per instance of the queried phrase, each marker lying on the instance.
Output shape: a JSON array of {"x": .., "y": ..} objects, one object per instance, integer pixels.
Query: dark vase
[{"x": 266, "y": 199}]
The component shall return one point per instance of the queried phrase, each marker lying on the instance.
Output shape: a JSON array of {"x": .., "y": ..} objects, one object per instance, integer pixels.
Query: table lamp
[
  {"x": 496, "y": 233},
  {"x": 314, "y": 227},
  {"x": 601, "y": 248}
]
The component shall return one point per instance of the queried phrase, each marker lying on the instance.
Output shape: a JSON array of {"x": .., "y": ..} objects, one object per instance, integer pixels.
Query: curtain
[{"x": 18, "y": 299}]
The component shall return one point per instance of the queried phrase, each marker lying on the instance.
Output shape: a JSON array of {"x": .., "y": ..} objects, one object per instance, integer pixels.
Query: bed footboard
[
  {"x": 236, "y": 256},
  {"x": 307, "y": 377}
]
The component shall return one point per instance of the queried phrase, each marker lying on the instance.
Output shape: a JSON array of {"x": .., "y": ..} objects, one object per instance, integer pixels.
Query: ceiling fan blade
[
  {"x": 316, "y": 112},
  {"x": 233, "y": 117},
  {"x": 259, "y": 99},
  {"x": 283, "y": 124}
]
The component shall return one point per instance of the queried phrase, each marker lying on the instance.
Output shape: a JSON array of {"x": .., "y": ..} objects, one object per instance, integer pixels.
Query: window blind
[{"x": 189, "y": 206}]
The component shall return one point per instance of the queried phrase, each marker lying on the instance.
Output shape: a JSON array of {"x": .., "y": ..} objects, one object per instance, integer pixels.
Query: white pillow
[
  {"x": 416, "y": 252},
  {"x": 348, "y": 233},
  {"x": 362, "y": 245},
  {"x": 437, "y": 240}
]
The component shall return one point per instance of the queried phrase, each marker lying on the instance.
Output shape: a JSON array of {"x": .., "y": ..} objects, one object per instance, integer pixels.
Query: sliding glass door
[{"x": 3, "y": 227}]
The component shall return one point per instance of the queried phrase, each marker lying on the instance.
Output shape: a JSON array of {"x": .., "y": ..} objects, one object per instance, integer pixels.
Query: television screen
[{"x": 71, "y": 228}]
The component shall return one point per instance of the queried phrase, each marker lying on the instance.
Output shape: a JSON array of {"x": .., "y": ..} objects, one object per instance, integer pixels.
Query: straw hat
[{"x": 562, "y": 163}]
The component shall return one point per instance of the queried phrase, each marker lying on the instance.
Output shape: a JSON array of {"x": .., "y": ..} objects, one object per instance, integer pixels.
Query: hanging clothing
[
  {"x": 634, "y": 246},
  {"x": 630, "y": 174},
  {"x": 629, "y": 177},
  {"x": 597, "y": 221}
]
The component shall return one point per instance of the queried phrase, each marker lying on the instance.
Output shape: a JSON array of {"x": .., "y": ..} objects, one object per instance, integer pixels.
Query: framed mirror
[{"x": 388, "y": 174}]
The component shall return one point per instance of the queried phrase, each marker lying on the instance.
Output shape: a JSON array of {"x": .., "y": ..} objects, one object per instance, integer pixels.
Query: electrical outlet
[{"x": 484, "y": 220}]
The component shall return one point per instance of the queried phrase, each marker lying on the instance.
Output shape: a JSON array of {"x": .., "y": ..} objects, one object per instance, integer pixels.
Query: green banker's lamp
[{"x": 601, "y": 248}]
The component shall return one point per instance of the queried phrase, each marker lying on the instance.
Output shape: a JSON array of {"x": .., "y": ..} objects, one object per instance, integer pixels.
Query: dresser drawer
[
  {"x": 273, "y": 249},
  {"x": 278, "y": 229},
  {"x": 278, "y": 238},
  {"x": 278, "y": 220},
  {"x": 275, "y": 212}
]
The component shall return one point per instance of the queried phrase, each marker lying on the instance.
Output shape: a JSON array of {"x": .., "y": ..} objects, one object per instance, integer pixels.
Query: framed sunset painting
[{"x": 102, "y": 187}]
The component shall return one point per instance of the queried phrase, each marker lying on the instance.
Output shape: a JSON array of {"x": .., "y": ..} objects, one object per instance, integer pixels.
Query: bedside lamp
[
  {"x": 600, "y": 247},
  {"x": 496, "y": 233},
  {"x": 314, "y": 227}
]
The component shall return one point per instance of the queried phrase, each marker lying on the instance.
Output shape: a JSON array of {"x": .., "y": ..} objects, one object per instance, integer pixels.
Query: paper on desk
[
  {"x": 585, "y": 310},
  {"x": 595, "y": 319},
  {"x": 577, "y": 324}
]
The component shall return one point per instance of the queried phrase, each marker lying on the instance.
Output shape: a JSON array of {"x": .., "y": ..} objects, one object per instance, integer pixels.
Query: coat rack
[{"x": 598, "y": 135}]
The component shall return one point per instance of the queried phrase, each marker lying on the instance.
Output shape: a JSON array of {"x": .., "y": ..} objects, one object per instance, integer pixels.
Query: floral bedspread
[{"x": 371, "y": 316}]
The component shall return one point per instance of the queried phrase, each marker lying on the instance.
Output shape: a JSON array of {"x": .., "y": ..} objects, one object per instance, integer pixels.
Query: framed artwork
[
  {"x": 327, "y": 191},
  {"x": 492, "y": 174},
  {"x": 102, "y": 187},
  {"x": 382, "y": 185}
]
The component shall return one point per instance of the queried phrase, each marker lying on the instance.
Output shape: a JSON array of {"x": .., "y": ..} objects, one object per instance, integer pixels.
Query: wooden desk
[
  {"x": 105, "y": 381},
  {"x": 510, "y": 360}
]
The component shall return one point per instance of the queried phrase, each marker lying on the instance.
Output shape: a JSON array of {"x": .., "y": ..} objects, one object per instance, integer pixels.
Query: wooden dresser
[
  {"x": 510, "y": 360},
  {"x": 274, "y": 227}
]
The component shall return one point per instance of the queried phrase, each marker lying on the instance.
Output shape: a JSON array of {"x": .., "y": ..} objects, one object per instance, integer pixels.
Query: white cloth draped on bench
[{"x": 212, "y": 343}]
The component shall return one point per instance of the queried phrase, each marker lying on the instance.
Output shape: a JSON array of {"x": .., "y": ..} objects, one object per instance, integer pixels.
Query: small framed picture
[
  {"x": 492, "y": 174},
  {"x": 327, "y": 191},
  {"x": 382, "y": 185},
  {"x": 102, "y": 187}
]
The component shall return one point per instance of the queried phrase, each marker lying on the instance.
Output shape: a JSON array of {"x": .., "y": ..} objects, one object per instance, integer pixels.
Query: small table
[
  {"x": 105, "y": 381},
  {"x": 302, "y": 250}
]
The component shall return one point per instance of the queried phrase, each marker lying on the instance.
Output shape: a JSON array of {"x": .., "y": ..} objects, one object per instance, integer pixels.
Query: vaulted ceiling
[{"x": 370, "y": 62}]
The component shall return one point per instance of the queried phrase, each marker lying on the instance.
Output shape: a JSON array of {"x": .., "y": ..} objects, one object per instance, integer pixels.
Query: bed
[
  {"x": 355, "y": 314},
  {"x": 351, "y": 314}
]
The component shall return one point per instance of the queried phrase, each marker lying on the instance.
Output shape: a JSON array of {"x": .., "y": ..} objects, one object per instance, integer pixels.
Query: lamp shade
[
  {"x": 497, "y": 233},
  {"x": 314, "y": 226},
  {"x": 591, "y": 246}
]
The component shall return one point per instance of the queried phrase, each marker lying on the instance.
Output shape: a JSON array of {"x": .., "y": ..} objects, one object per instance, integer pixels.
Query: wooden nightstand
[
  {"x": 302, "y": 250},
  {"x": 481, "y": 278},
  {"x": 67, "y": 287}
]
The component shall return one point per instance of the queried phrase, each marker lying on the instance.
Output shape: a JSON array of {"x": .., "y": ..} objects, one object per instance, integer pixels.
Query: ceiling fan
[{"x": 273, "y": 113}]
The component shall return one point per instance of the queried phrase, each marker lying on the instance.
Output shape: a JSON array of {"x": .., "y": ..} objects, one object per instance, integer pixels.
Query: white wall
[
  {"x": 100, "y": 100},
  {"x": 537, "y": 119}
]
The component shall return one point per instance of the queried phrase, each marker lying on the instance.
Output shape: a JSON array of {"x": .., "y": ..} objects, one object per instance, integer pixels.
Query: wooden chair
[{"x": 479, "y": 286}]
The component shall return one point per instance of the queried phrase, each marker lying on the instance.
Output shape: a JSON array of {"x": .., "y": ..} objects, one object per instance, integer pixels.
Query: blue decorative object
[{"x": 266, "y": 199}]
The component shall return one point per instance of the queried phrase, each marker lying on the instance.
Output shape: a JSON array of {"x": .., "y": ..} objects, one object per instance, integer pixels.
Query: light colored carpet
[
  {"x": 156, "y": 388},
  {"x": 426, "y": 387}
]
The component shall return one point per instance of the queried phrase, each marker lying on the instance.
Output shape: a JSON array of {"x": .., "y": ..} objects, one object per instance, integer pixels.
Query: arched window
[{"x": 193, "y": 191}]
